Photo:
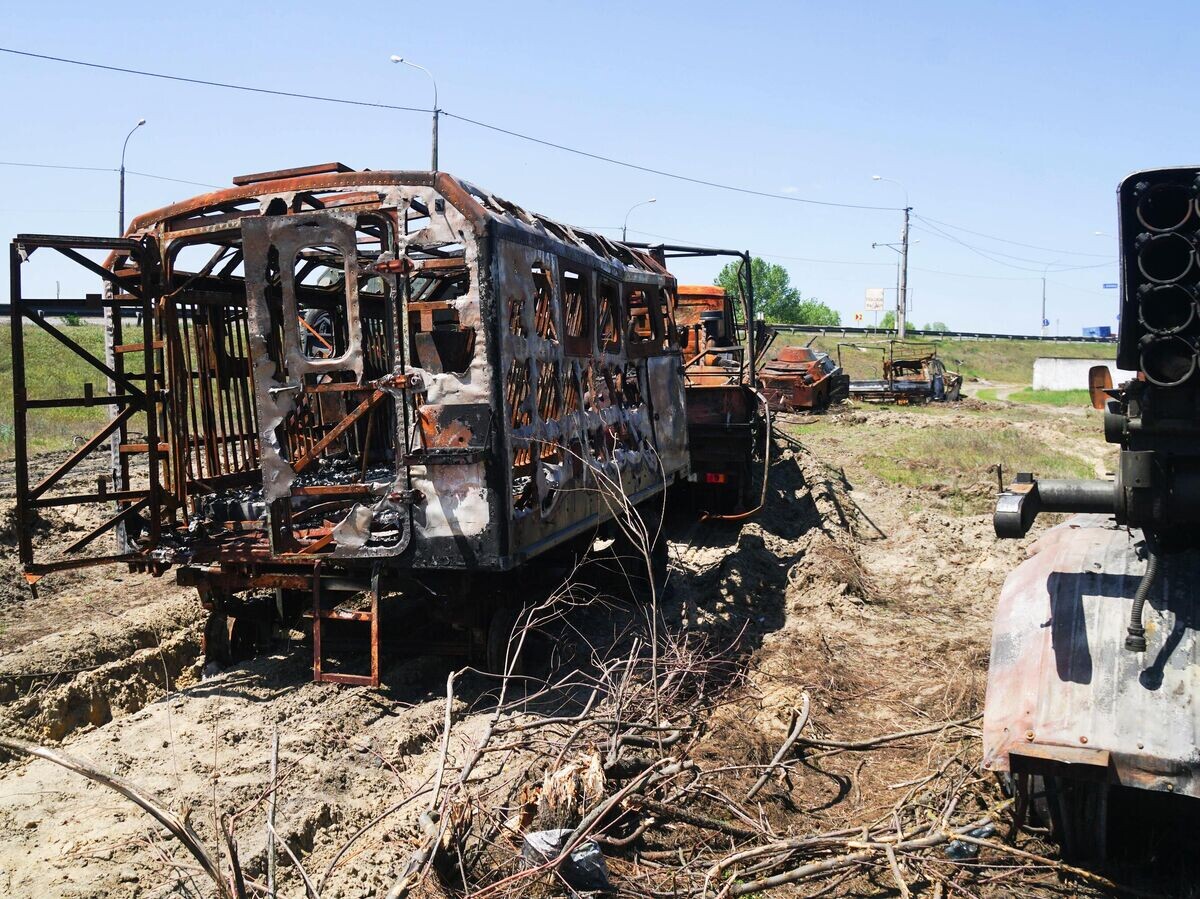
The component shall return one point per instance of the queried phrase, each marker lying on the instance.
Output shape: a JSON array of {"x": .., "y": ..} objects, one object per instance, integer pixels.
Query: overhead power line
[
  {"x": 98, "y": 168},
  {"x": 1015, "y": 243},
  {"x": 204, "y": 82},
  {"x": 765, "y": 255},
  {"x": 478, "y": 124},
  {"x": 991, "y": 255},
  {"x": 665, "y": 174}
]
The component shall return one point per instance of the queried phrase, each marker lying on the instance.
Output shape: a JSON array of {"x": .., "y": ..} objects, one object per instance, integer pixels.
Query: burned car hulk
[{"x": 343, "y": 383}]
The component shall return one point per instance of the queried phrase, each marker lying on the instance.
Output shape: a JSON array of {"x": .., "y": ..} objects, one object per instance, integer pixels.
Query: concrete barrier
[{"x": 1056, "y": 373}]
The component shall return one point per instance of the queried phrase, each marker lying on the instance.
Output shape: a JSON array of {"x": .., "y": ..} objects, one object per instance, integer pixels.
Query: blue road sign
[
  {"x": 1110, "y": 286},
  {"x": 1045, "y": 323}
]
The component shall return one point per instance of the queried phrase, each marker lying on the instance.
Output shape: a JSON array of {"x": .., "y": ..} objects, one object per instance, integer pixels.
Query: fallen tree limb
[
  {"x": 855, "y": 858},
  {"x": 798, "y": 722},
  {"x": 151, "y": 804},
  {"x": 887, "y": 738}
]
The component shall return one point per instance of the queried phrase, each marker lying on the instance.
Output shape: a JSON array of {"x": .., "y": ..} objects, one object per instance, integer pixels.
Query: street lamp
[
  {"x": 1046, "y": 321},
  {"x": 625, "y": 226},
  {"x": 121, "y": 213},
  {"x": 436, "y": 110},
  {"x": 902, "y": 289}
]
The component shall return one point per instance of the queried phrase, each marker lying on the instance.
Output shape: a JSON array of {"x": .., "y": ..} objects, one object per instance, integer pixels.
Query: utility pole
[
  {"x": 903, "y": 292},
  {"x": 902, "y": 287},
  {"x": 1043, "y": 305}
]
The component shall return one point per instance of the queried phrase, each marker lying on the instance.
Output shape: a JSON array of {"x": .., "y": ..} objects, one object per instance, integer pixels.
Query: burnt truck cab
[
  {"x": 725, "y": 425},
  {"x": 363, "y": 373}
]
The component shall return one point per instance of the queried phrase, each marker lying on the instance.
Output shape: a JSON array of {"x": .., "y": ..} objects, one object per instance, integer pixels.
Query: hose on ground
[{"x": 1136, "y": 639}]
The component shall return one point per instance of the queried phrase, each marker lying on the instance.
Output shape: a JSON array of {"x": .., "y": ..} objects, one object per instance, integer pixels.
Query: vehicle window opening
[
  {"x": 610, "y": 335},
  {"x": 543, "y": 309},
  {"x": 577, "y": 313},
  {"x": 640, "y": 330}
]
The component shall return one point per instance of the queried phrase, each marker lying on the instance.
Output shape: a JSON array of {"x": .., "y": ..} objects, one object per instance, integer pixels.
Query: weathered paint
[{"x": 1060, "y": 677}]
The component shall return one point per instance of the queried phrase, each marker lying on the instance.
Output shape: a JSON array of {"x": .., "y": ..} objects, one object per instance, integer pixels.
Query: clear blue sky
[{"x": 1016, "y": 120}]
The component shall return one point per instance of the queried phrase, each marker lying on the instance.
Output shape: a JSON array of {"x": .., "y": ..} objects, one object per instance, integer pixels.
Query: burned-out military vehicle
[
  {"x": 342, "y": 381},
  {"x": 1095, "y": 665}
]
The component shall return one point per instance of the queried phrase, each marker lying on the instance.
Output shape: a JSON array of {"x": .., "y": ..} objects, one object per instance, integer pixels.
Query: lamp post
[
  {"x": 902, "y": 291},
  {"x": 436, "y": 111},
  {"x": 1046, "y": 321},
  {"x": 121, "y": 213},
  {"x": 625, "y": 226}
]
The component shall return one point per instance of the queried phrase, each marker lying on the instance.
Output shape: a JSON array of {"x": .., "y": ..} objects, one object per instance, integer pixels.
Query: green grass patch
[
  {"x": 960, "y": 464},
  {"x": 987, "y": 394},
  {"x": 1051, "y": 397},
  {"x": 52, "y": 371}
]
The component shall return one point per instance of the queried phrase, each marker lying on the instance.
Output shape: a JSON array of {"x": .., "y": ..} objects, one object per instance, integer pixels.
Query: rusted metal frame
[
  {"x": 216, "y": 397},
  {"x": 236, "y": 479},
  {"x": 82, "y": 498},
  {"x": 247, "y": 422},
  {"x": 206, "y": 402},
  {"x": 24, "y": 543},
  {"x": 317, "y": 545},
  {"x": 120, "y": 380},
  {"x": 320, "y": 168},
  {"x": 180, "y": 391},
  {"x": 316, "y": 624},
  {"x": 231, "y": 434},
  {"x": 73, "y": 241},
  {"x": 118, "y": 460},
  {"x": 337, "y": 430},
  {"x": 112, "y": 522},
  {"x": 190, "y": 358},
  {"x": 371, "y": 618},
  {"x": 111, "y": 277},
  {"x": 37, "y": 569},
  {"x": 86, "y": 449},
  {"x": 151, "y": 277}
]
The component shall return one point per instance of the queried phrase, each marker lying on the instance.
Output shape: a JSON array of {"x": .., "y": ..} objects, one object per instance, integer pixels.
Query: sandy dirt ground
[{"x": 872, "y": 599}]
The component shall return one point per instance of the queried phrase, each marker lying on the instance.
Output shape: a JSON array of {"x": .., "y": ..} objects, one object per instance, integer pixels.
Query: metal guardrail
[{"x": 847, "y": 331}]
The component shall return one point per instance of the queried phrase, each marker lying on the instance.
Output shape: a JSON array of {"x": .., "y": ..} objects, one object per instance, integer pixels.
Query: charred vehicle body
[
  {"x": 343, "y": 380},
  {"x": 724, "y": 407},
  {"x": 908, "y": 380},
  {"x": 1095, "y": 663},
  {"x": 801, "y": 379}
]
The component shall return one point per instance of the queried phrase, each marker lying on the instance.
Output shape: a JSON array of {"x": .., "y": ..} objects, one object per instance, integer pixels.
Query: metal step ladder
[{"x": 371, "y": 618}]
